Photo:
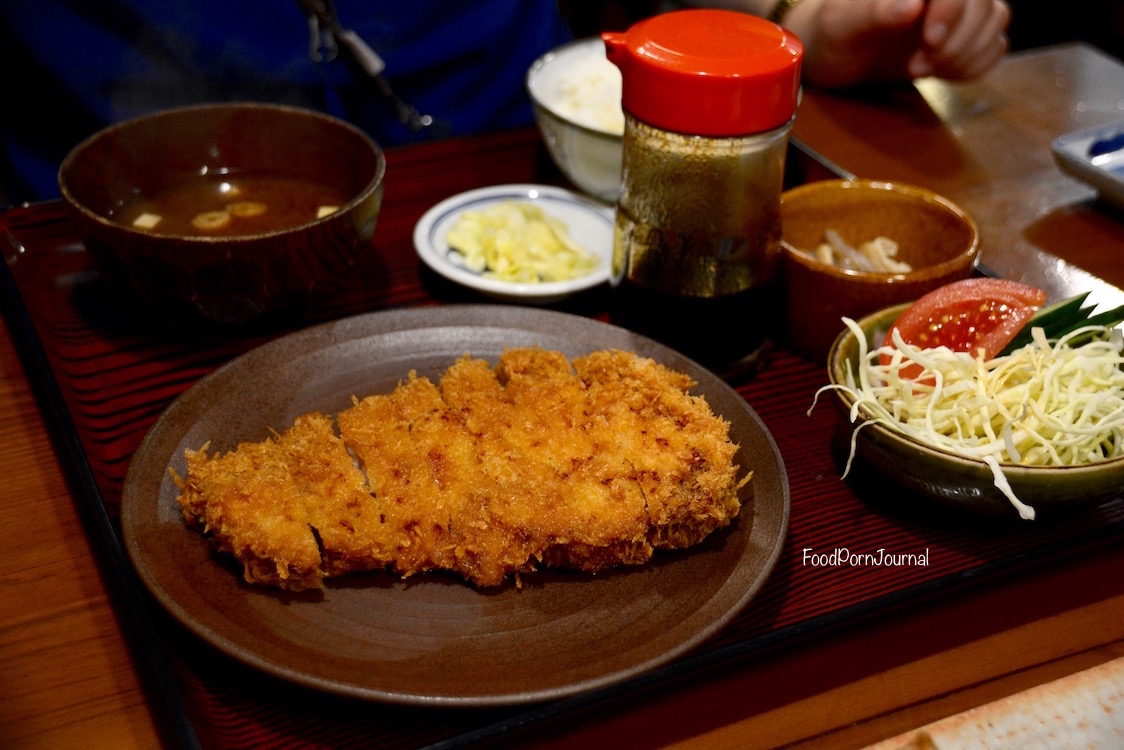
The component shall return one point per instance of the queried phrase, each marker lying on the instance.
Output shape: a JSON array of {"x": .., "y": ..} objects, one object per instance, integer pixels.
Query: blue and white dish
[
  {"x": 590, "y": 224},
  {"x": 1095, "y": 156}
]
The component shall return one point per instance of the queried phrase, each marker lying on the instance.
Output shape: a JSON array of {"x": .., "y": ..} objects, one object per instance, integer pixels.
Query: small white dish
[
  {"x": 590, "y": 224},
  {"x": 1095, "y": 156}
]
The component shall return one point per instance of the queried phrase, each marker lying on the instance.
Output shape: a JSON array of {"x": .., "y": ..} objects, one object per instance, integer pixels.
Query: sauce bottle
[{"x": 709, "y": 97}]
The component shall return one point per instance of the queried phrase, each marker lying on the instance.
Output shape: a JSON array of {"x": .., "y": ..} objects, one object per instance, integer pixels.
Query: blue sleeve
[{"x": 99, "y": 63}]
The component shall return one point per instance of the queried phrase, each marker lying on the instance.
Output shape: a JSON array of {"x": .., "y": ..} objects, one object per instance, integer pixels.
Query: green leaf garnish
[{"x": 1060, "y": 318}]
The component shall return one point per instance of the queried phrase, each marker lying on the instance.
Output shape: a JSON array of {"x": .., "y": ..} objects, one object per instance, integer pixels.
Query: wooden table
[{"x": 70, "y": 677}]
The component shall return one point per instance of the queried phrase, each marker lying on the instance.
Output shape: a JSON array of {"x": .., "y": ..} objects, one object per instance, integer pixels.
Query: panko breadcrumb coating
[
  {"x": 291, "y": 509},
  {"x": 490, "y": 473}
]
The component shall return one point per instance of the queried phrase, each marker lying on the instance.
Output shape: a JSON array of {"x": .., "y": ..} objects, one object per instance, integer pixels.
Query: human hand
[{"x": 852, "y": 41}]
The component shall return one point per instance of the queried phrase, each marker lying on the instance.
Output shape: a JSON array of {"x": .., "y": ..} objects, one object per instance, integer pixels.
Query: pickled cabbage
[{"x": 517, "y": 241}]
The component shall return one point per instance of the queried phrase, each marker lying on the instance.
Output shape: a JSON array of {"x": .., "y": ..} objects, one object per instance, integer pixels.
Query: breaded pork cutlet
[
  {"x": 494, "y": 472},
  {"x": 491, "y": 473},
  {"x": 423, "y": 466},
  {"x": 290, "y": 509},
  {"x": 572, "y": 496},
  {"x": 679, "y": 450}
]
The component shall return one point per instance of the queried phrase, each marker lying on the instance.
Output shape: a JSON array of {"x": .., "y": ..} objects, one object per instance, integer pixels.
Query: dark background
[{"x": 1035, "y": 22}]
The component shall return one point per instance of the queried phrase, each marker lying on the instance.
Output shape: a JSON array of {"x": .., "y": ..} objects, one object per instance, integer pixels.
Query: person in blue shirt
[
  {"x": 462, "y": 64},
  {"x": 91, "y": 64}
]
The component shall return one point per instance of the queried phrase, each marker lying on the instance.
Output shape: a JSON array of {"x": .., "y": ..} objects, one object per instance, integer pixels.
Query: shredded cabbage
[
  {"x": 517, "y": 241},
  {"x": 1048, "y": 403}
]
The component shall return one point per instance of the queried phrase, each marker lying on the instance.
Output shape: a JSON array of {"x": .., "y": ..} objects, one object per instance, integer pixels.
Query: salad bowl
[{"x": 946, "y": 478}]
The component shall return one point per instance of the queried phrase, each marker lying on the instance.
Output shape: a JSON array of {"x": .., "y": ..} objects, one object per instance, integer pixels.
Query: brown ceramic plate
[{"x": 432, "y": 639}]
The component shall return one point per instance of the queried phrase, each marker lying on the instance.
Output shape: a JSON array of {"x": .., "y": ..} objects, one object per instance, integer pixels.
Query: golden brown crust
[
  {"x": 491, "y": 473},
  {"x": 679, "y": 450},
  {"x": 262, "y": 502}
]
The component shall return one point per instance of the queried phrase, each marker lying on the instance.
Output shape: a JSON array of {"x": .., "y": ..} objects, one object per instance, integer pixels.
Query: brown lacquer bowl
[
  {"x": 937, "y": 238},
  {"x": 249, "y": 275}
]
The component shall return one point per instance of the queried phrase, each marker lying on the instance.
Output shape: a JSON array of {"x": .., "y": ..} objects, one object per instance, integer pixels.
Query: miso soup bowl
[{"x": 234, "y": 282}]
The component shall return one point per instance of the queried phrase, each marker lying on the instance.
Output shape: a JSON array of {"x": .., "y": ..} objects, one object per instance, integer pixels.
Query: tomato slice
[{"x": 968, "y": 315}]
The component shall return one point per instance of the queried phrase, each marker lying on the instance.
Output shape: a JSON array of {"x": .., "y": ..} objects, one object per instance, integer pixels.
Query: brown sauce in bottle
[{"x": 696, "y": 244}]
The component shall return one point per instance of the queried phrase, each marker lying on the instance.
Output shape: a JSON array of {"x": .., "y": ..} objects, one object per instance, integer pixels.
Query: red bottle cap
[{"x": 708, "y": 72}]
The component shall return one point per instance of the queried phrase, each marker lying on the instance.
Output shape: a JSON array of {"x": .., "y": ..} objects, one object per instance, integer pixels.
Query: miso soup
[{"x": 231, "y": 204}]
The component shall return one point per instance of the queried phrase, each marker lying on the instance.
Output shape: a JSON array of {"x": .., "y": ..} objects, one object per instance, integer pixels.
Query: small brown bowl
[
  {"x": 239, "y": 281},
  {"x": 937, "y": 238}
]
